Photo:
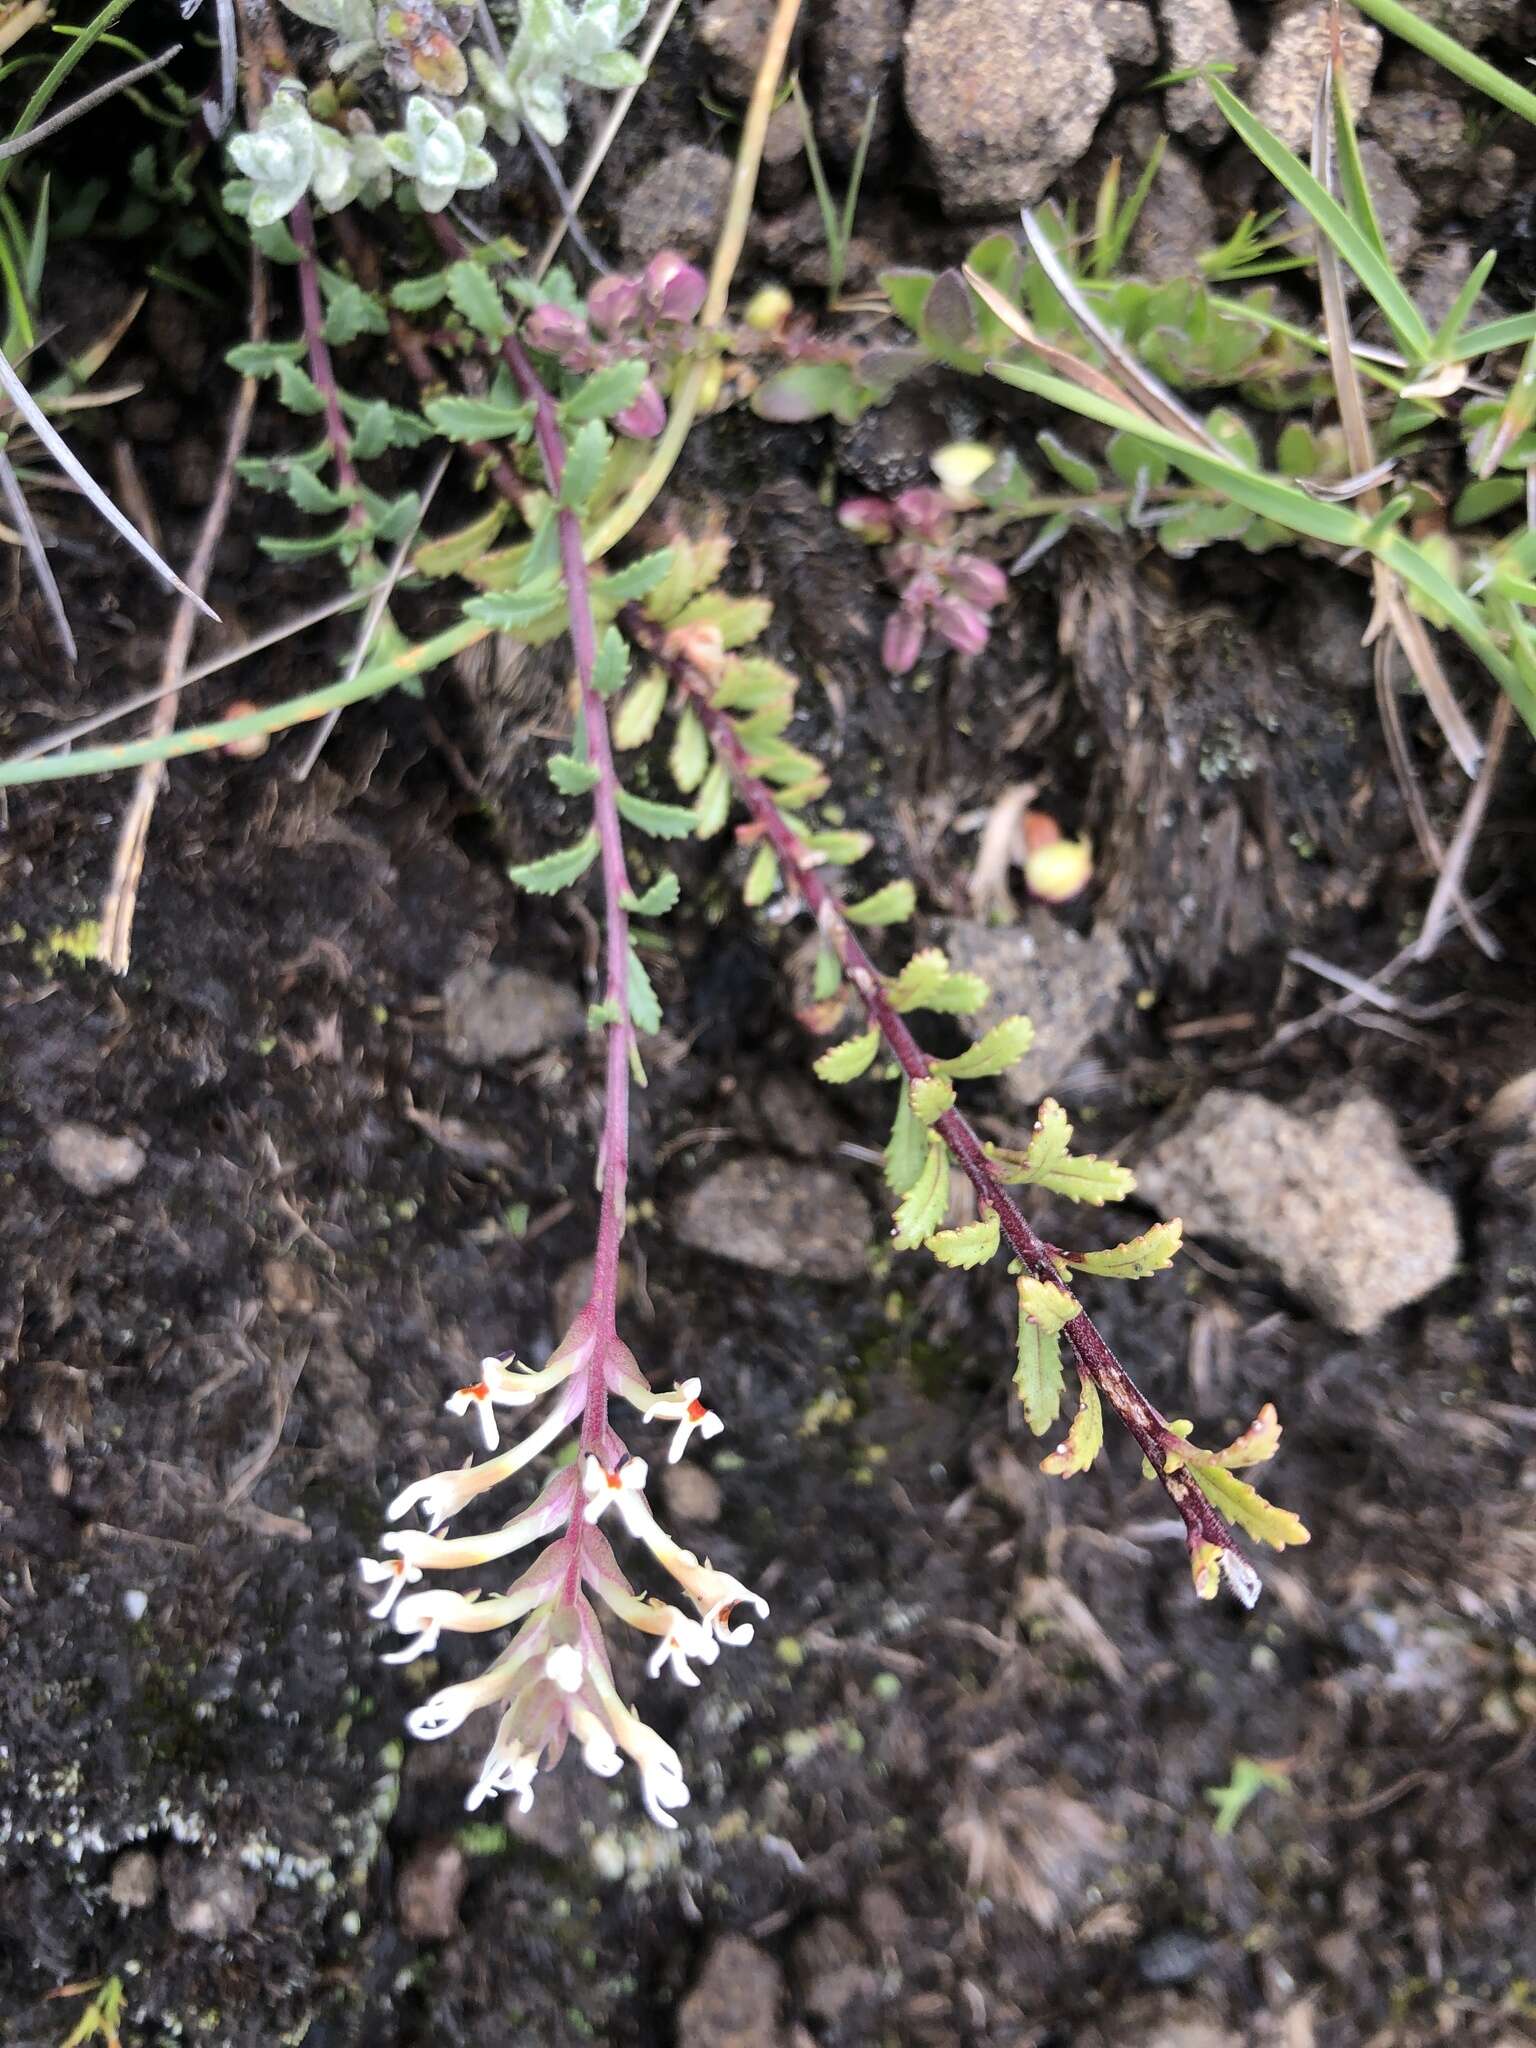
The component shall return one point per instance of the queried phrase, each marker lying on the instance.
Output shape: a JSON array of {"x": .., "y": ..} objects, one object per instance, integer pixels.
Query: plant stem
[
  {"x": 1094, "y": 1359},
  {"x": 302, "y": 226}
]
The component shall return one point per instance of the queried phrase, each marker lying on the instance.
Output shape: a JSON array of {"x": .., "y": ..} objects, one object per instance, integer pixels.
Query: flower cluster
[
  {"x": 553, "y": 1681},
  {"x": 648, "y": 318},
  {"x": 940, "y": 585}
]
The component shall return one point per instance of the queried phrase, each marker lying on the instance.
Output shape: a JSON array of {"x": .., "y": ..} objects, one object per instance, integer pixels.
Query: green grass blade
[
  {"x": 1352, "y": 243},
  {"x": 1496, "y": 334},
  {"x": 1356, "y": 186},
  {"x": 60, "y": 70},
  {"x": 1434, "y": 42}
]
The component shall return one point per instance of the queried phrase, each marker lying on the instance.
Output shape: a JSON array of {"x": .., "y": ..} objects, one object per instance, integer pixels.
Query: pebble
[
  {"x": 779, "y": 1216},
  {"x": 1284, "y": 89},
  {"x": 210, "y": 1897},
  {"x": 1199, "y": 32},
  {"x": 679, "y": 204},
  {"x": 428, "y": 1891},
  {"x": 506, "y": 1013},
  {"x": 92, "y": 1160},
  {"x": 736, "y": 2001},
  {"x": 134, "y": 1881}
]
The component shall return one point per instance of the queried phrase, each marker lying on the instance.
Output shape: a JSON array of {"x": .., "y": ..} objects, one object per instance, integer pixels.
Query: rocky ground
[{"x": 990, "y": 1776}]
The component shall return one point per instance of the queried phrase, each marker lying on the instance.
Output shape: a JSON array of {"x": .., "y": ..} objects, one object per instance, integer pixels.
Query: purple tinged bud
[
  {"x": 981, "y": 583},
  {"x": 902, "y": 641},
  {"x": 869, "y": 518},
  {"x": 552, "y": 330},
  {"x": 674, "y": 289},
  {"x": 613, "y": 302},
  {"x": 923, "y": 513},
  {"x": 921, "y": 589},
  {"x": 645, "y": 416},
  {"x": 961, "y": 624}
]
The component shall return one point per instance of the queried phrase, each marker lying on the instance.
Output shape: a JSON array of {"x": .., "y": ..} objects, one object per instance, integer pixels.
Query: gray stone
[
  {"x": 1492, "y": 184},
  {"x": 1284, "y": 90},
  {"x": 134, "y": 1881},
  {"x": 783, "y": 175},
  {"x": 1442, "y": 269},
  {"x": 1395, "y": 201},
  {"x": 678, "y": 204},
  {"x": 1326, "y": 1199},
  {"x": 1004, "y": 97},
  {"x": 733, "y": 33},
  {"x": 92, "y": 1160},
  {"x": 1068, "y": 986},
  {"x": 1177, "y": 223},
  {"x": 1425, "y": 131},
  {"x": 1475, "y": 22},
  {"x": 210, "y": 1897},
  {"x": 507, "y": 1013},
  {"x": 1174, "y": 1957},
  {"x": 779, "y": 1216},
  {"x": 857, "y": 47},
  {"x": 1129, "y": 32},
  {"x": 1198, "y": 32},
  {"x": 428, "y": 1891},
  {"x": 736, "y": 2002}
]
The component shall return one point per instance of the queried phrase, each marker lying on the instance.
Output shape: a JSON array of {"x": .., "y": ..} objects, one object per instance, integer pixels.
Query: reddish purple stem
[{"x": 321, "y": 369}]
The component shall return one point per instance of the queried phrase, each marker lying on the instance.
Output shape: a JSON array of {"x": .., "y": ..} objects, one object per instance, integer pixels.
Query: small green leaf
[
  {"x": 570, "y": 776},
  {"x": 556, "y": 871},
  {"x": 637, "y": 717},
  {"x": 749, "y": 684},
  {"x": 633, "y": 581},
  {"x": 926, "y": 983},
  {"x": 297, "y": 389},
  {"x": 907, "y": 1147},
  {"x": 1139, "y": 1256},
  {"x": 420, "y": 294},
  {"x": 655, "y": 901},
  {"x": 840, "y": 849},
  {"x": 893, "y": 904},
  {"x": 472, "y": 291},
  {"x": 1046, "y": 1304},
  {"x": 826, "y": 976},
  {"x": 610, "y": 669},
  {"x": 922, "y": 1208},
  {"x": 662, "y": 821},
  {"x": 1038, "y": 1376},
  {"x": 846, "y": 1062},
  {"x": 1069, "y": 466},
  {"x": 585, "y": 460},
  {"x": 601, "y": 1015},
  {"x": 606, "y": 392},
  {"x": 1085, "y": 1439},
  {"x": 739, "y": 620},
  {"x": 712, "y": 806},
  {"x": 689, "y": 758},
  {"x": 261, "y": 358},
  {"x": 644, "y": 1009},
  {"x": 932, "y": 1098},
  {"x": 762, "y": 878},
  {"x": 971, "y": 1244},
  {"x": 1246, "y": 1506},
  {"x": 1006, "y": 1043},
  {"x": 1080, "y": 1177},
  {"x": 510, "y": 610},
  {"x": 478, "y": 419}
]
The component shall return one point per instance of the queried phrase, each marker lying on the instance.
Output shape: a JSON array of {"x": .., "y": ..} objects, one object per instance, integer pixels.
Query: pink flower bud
[
  {"x": 645, "y": 416},
  {"x": 869, "y": 518},
  {"x": 961, "y": 624},
  {"x": 613, "y": 302},
  {"x": 923, "y": 513},
  {"x": 902, "y": 641},
  {"x": 553, "y": 331},
  {"x": 674, "y": 289},
  {"x": 982, "y": 583}
]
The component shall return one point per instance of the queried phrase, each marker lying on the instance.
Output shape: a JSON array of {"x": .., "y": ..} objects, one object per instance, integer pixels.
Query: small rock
[
  {"x": 92, "y": 1160},
  {"x": 1160, "y": 2027},
  {"x": 1395, "y": 201},
  {"x": 1034, "y": 1846},
  {"x": 1425, "y": 131},
  {"x": 1176, "y": 1957},
  {"x": 834, "y": 1994},
  {"x": 1199, "y": 32},
  {"x": 210, "y": 1897},
  {"x": 782, "y": 177},
  {"x": 691, "y": 1494},
  {"x": 1003, "y": 96},
  {"x": 1328, "y": 628},
  {"x": 736, "y": 2002},
  {"x": 678, "y": 204},
  {"x": 827, "y": 1943},
  {"x": 1325, "y": 1199},
  {"x": 1176, "y": 224},
  {"x": 428, "y": 1891},
  {"x": 134, "y": 1881},
  {"x": 883, "y": 1917},
  {"x": 857, "y": 47},
  {"x": 1492, "y": 184},
  {"x": 506, "y": 1013},
  {"x": 1442, "y": 269},
  {"x": 1129, "y": 32},
  {"x": 1284, "y": 90},
  {"x": 734, "y": 32},
  {"x": 888, "y": 449},
  {"x": 1475, "y": 22},
  {"x": 779, "y": 1217},
  {"x": 1068, "y": 986}
]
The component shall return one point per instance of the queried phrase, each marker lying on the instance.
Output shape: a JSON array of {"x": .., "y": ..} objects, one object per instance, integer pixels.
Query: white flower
[
  {"x": 684, "y": 1407},
  {"x": 661, "y": 1787},
  {"x": 715, "y": 1593},
  {"x": 506, "y": 1383},
  {"x": 444, "y": 1493},
  {"x": 565, "y": 1667},
  {"x": 396, "y": 1572},
  {"x": 684, "y": 1638},
  {"x": 508, "y": 1767},
  {"x": 598, "y": 1751},
  {"x": 478, "y": 1397},
  {"x": 624, "y": 1490}
]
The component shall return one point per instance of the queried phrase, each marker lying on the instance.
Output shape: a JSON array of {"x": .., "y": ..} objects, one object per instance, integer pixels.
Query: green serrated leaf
[
  {"x": 472, "y": 292},
  {"x": 906, "y": 1148},
  {"x": 1085, "y": 1439},
  {"x": 1050, "y": 1306},
  {"x": 1245, "y": 1506},
  {"x": 738, "y": 620},
  {"x": 932, "y": 1098},
  {"x": 638, "y": 715},
  {"x": 689, "y": 758},
  {"x": 1139, "y": 1256},
  {"x": 662, "y": 821},
  {"x": 712, "y": 806},
  {"x": 846, "y": 1062},
  {"x": 350, "y": 311},
  {"x": 610, "y": 666},
  {"x": 840, "y": 849},
  {"x": 570, "y": 776},
  {"x": 585, "y": 460},
  {"x": 826, "y": 976},
  {"x": 1038, "y": 1376},
  {"x": 420, "y": 294},
  {"x": 751, "y": 683},
  {"x": 297, "y": 389},
  {"x": 556, "y": 871},
  {"x": 993, "y": 1053},
  {"x": 657, "y": 900},
  {"x": 453, "y": 552},
  {"x": 893, "y": 904},
  {"x": 509, "y": 611},
  {"x": 922, "y": 1208},
  {"x": 478, "y": 419},
  {"x": 644, "y": 1009},
  {"x": 927, "y": 983},
  {"x": 1049, "y": 1164},
  {"x": 971, "y": 1244},
  {"x": 762, "y": 878},
  {"x": 696, "y": 564},
  {"x": 634, "y": 580},
  {"x": 601, "y": 1015},
  {"x": 606, "y": 392}
]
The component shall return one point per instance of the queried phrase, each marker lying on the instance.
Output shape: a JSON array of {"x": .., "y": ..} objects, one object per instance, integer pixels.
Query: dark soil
[{"x": 956, "y": 1791}]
